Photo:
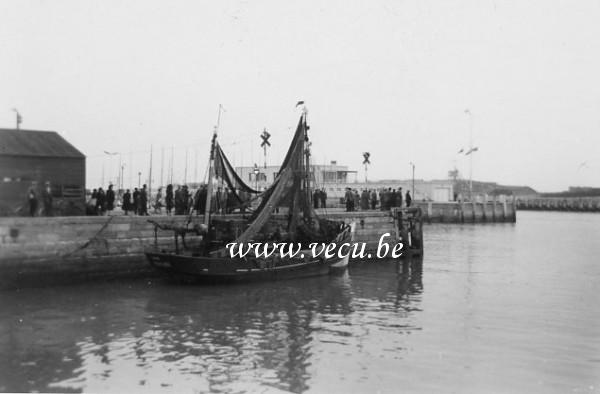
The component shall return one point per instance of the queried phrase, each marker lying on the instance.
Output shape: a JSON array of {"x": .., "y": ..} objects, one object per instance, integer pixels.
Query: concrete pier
[
  {"x": 38, "y": 251},
  {"x": 575, "y": 204},
  {"x": 468, "y": 212}
]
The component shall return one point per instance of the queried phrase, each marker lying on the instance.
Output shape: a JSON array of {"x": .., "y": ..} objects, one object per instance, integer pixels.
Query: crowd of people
[
  {"x": 371, "y": 199},
  {"x": 33, "y": 197},
  {"x": 180, "y": 200}
]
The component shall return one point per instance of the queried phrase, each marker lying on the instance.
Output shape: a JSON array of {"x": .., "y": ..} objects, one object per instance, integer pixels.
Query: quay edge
[{"x": 51, "y": 250}]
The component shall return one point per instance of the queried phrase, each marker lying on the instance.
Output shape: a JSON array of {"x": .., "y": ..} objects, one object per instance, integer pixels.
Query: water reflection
[{"x": 158, "y": 336}]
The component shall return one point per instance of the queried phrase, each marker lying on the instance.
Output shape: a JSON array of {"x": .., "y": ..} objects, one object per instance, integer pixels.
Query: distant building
[
  {"x": 38, "y": 159},
  {"x": 261, "y": 177},
  {"x": 335, "y": 178}
]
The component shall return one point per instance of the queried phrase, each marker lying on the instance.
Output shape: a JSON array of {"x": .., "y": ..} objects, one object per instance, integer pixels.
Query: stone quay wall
[{"x": 51, "y": 250}]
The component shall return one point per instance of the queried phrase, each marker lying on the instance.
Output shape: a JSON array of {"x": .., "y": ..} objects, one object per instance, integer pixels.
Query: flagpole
[{"x": 150, "y": 175}]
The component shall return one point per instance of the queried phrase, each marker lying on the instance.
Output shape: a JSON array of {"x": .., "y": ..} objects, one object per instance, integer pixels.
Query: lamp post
[
  {"x": 256, "y": 172},
  {"x": 110, "y": 167},
  {"x": 139, "y": 179},
  {"x": 413, "y": 179},
  {"x": 121, "y": 179},
  {"x": 19, "y": 118},
  {"x": 468, "y": 112}
]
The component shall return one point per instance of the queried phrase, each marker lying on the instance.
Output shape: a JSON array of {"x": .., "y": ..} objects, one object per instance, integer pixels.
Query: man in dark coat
[
  {"x": 169, "y": 199},
  {"x": 33, "y": 202},
  {"x": 408, "y": 199},
  {"x": 399, "y": 198},
  {"x": 373, "y": 199},
  {"x": 185, "y": 200},
  {"x": 316, "y": 197},
  {"x": 349, "y": 199},
  {"x": 126, "y": 203},
  {"x": 144, "y": 201},
  {"x": 110, "y": 199},
  {"x": 178, "y": 201},
  {"x": 136, "y": 201},
  {"x": 323, "y": 198},
  {"x": 393, "y": 199},
  {"x": 364, "y": 200},
  {"x": 100, "y": 202}
]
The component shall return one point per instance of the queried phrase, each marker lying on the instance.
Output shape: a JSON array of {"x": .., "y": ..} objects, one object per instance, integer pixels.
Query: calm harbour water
[{"x": 492, "y": 308}]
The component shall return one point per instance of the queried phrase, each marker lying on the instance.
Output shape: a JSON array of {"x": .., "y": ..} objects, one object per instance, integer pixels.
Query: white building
[{"x": 336, "y": 178}]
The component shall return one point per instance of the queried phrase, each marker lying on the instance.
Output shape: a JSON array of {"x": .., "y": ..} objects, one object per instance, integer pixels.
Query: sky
[{"x": 393, "y": 78}]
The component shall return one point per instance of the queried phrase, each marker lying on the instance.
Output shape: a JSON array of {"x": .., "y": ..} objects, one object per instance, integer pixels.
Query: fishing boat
[{"x": 283, "y": 216}]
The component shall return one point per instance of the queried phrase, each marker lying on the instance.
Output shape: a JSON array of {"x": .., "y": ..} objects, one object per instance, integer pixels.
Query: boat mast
[
  {"x": 211, "y": 169},
  {"x": 307, "y": 189}
]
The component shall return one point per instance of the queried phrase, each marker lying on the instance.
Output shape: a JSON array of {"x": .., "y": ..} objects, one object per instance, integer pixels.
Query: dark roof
[{"x": 36, "y": 143}]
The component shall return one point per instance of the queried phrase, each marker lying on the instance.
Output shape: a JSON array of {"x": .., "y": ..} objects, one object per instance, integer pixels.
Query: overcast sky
[{"x": 390, "y": 77}]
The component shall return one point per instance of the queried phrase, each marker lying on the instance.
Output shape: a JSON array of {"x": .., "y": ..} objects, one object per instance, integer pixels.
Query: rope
[{"x": 89, "y": 241}]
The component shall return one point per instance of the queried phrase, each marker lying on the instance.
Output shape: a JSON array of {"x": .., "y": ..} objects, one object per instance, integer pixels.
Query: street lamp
[
  {"x": 19, "y": 118},
  {"x": 256, "y": 172},
  {"x": 413, "y": 179},
  {"x": 121, "y": 183},
  {"x": 139, "y": 179},
  {"x": 468, "y": 112}
]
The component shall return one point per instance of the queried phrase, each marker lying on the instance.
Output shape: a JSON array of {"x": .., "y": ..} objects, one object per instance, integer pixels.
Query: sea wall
[
  {"x": 64, "y": 249},
  {"x": 468, "y": 212},
  {"x": 38, "y": 251},
  {"x": 575, "y": 204}
]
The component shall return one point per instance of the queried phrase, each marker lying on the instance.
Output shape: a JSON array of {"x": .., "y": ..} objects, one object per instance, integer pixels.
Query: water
[{"x": 493, "y": 308}]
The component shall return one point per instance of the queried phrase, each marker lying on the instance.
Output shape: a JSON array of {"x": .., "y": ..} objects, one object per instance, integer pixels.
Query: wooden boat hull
[
  {"x": 215, "y": 269},
  {"x": 227, "y": 269}
]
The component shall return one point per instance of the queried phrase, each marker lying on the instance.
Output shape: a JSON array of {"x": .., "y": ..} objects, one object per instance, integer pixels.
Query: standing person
[
  {"x": 178, "y": 201},
  {"x": 393, "y": 199},
  {"x": 32, "y": 200},
  {"x": 373, "y": 199},
  {"x": 144, "y": 201},
  {"x": 348, "y": 199},
  {"x": 383, "y": 195},
  {"x": 185, "y": 199},
  {"x": 92, "y": 202},
  {"x": 100, "y": 202},
  {"x": 47, "y": 199},
  {"x": 110, "y": 199},
  {"x": 169, "y": 199},
  {"x": 364, "y": 200},
  {"x": 200, "y": 200},
  {"x": 316, "y": 197},
  {"x": 126, "y": 202},
  {"x": 323, "y": 198},
  {"x": 399, "y": 198},
  {"x": 158, "y": 202},
  {"x": 136, "y": 201},
  {"x": 408, "y": 199}
]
